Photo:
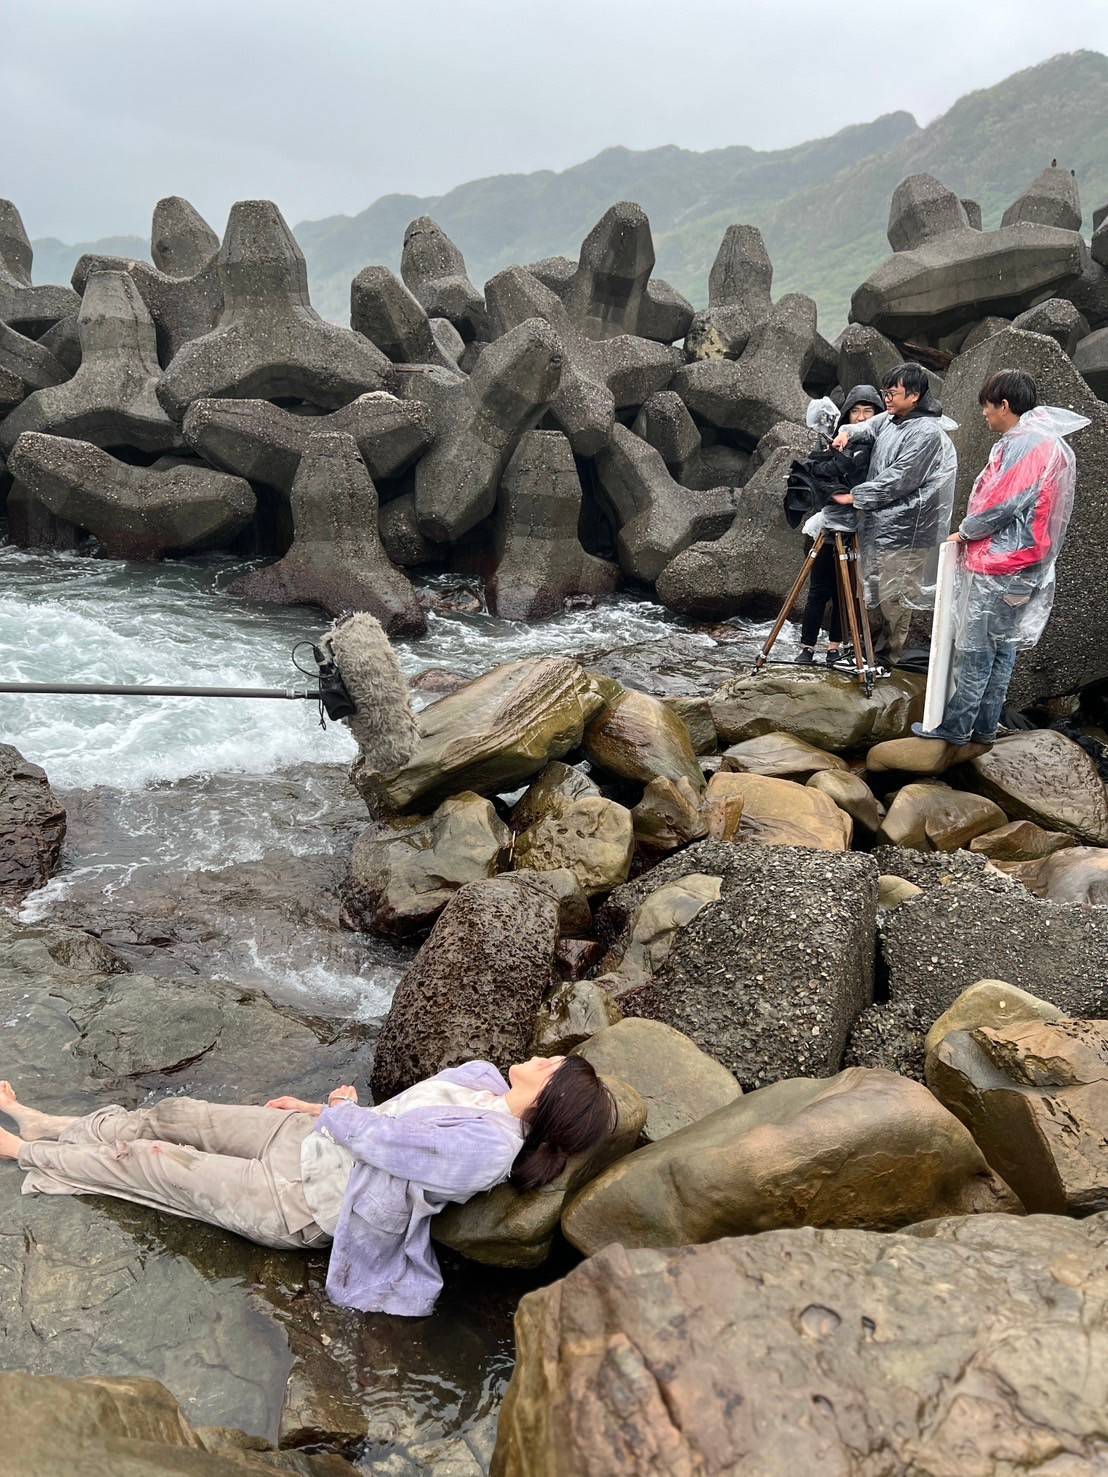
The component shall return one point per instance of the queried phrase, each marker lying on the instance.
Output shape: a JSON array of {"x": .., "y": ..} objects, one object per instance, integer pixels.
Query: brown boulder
[
  {"x": 668, "y": 816},
  {"x": 592, "y": 837},
  {"x": 557, "y": 782},
  {"x": 679, "y": 1083},
  {"x": 828, "y": 709},
  {"x": 1019, "y": 841},
  {"x": 1034, "y": 1094},
  {"x": 932, "y": 817},
  {"x": 1044, "y": 777},
  {"x": 722, "y": 806},
  {"x": 32, "y": 827},
  {"x": 993, "y": 1003},
  {"x": 638, "y": 737},
  {"x": 780, "y": 756},
  {"x": 850, "y": 793},
  {"x": 782, "y": 813},
  {"x": 919, "y": 756},
  {"x": 865, "y": 1149},
  {"x": 576, "y": 1010},
  {"x": 973, "y": 1347},
  {"x": 1077, "y": 875}
]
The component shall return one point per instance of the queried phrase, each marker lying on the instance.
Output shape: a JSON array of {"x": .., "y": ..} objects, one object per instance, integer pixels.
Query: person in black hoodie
[{"x": 862, "y": 404}]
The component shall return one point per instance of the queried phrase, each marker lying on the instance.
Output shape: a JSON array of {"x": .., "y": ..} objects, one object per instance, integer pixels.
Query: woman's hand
[
  {"x": 295, "y": 1105},
  {"x": 346, "y": 1094},
  {"x": 844, "y": 499},
  {"x": 841, "y": 441}
]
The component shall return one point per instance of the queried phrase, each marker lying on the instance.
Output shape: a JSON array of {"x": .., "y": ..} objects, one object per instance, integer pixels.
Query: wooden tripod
[{"x": 851, "y": 598}]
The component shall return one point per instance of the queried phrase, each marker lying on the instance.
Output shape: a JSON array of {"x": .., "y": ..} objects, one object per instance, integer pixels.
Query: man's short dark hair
[
  {"x": 911, "y": 375},
  {"x": 1014, "y": 385}
]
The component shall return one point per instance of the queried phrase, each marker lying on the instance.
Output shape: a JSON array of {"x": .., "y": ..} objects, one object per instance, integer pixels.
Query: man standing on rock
[
  {"x": 905, "y": 502},
  {"x": 1010, "y": 539}
]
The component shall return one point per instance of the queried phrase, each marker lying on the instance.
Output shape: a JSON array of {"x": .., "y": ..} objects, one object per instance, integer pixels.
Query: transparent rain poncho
[
  {"x": 905, "y": 506},
  {"x": 1016, "y": 522}
]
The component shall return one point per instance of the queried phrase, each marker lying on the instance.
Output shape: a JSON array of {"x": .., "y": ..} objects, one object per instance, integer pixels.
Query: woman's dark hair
[
  {"x": 1014, "y": 385},
  {"x": 911, "y": 375},
  {"x": 574, "y": 1111}
]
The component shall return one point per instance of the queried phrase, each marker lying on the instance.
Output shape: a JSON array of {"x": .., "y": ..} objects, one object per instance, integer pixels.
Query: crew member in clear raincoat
[
  {"x": 1010, "y": 539},
  {"x": 905, "y": 503}
]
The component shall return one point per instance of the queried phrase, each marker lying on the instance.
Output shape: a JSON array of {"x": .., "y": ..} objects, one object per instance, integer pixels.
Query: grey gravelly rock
[
  {"x": 32, "y": 310},
  {"x": 656, "y": 516},
  {"x": 111, "y": 400},
  {"x": 64, "y": 342},
  {"x": 1074, "y": 648},
  {"x": 133, "y": 512},
  {"x": 12, "y": 390},
  {"x": 477, "y": 422},
  {"x": 937, "y": 944},
  {"x": 922, "y": 209},
  {"x": 34, "y": 367},
  {"x": 475, "y": 986},
  {"x": 665, "y": 423},
  {"x": 664, "y": 315},
  {"x": 264, "y": 443},
  {"x": 401, "y": 538},
  {"x": 435, "y": 271},
  {"x": 739, "y": 288},
  {"x": 32, "y": 826},
  {"x": 392, "y": 317},
  {"x": 598, "y": 376},
  {"x": 763, "y": 386},
  {"x": 336, "y": 560},
  {"x": 865, "y": 356},
  {"x": 770, "y": 979},
  {"x": 1058, "y": 319},
  {"x": 539, "y": 558},
  {"x": 841, "y": 1351},
  {"x": 269, "y": 341},
  {"x": 607, "y": 293},
  {"x": 749, "y": 569},
  {"x": 1091, "y": 358},
  {"x": 1051, "y": 199},
  {"x": 183, "y": 290}
]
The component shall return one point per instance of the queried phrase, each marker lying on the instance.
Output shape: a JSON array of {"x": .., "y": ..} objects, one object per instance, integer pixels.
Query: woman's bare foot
[
  {"x": 32, "y": 1124},
  {"x": 9, "y": 1145}
]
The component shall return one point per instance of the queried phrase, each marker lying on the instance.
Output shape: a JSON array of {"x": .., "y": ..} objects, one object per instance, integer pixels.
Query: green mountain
[{"x": 822, "y": 206}]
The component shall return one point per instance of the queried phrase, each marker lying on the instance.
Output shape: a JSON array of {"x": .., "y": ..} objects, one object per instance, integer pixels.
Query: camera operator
[{"x": 905, "y": 503}]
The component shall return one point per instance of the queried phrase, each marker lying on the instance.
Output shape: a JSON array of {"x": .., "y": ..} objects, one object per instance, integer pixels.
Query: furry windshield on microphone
[{"x": 383, "y": 723}]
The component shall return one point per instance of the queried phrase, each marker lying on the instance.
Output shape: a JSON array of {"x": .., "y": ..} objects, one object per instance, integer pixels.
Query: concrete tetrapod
[
  {"x": 664, "y": 314},
  {"x": 269, "y": 342},
  {"x": 31, "y": 310},
  {"x": 182, "y": 290},
  {"x": 739, "y": 296},
  {"x": 435, "y": 271},
  {"x": 133, "y": 512},
  {"x": 392, "y": 317},
  {"x": 111, "y": 400},
  {"x": 336, "y": 560}
]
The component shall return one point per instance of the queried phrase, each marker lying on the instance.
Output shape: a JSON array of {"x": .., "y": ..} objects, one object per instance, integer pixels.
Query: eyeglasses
[{"x": 891, "y": 394}]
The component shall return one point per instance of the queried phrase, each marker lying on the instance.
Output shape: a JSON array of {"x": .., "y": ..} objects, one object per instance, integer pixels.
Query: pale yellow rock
[
  {"x": 722, "y": 807},
  {"x": 993, "y": 1003},
  {"x": 933, "y": 817},
  {"x": 779, "y": 755},
  {"x": 592, "y": 836},
  {"x": 919, "y": 756},
  {"x": 850, "y": 793},
  {"x": 782, "y": 813},
  {"x": 668, "y": 815},
  {"x": 657, "y": 921},
  {"x": 892, "y": 891}
]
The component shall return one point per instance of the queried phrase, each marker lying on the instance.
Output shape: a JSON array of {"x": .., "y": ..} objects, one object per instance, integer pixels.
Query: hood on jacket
[{"x": 860, "y": 395}]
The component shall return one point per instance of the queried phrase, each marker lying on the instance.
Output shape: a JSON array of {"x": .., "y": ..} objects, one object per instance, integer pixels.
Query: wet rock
[
  {"x": 779, "y": 812},
  {"x": 934, "y": 817},
  {"x": 558, "y": 782},
  {"x": 656, "y": 516},
  {"x": 722, "y": 807},
  {"x": 850, "y": 793},
  {"x": 592, "y": 837},
  {"x": 1034, "y": 1096},
  {"x": 638, "y": 737},
  {"x": 111, "y": 400},
  {"x": 863, "y": 1149},
  {"x": 679, "y": 1083},
  {"x": 696, "y": 714},
  {"x": 771, "y": 1353},
  {"x": 509, "y": 1228},
  {"x": 1019, "y": 841},
  {"x": 1078, "y": 874},
  {"x": 505, "y": 931},
  {"x": 132, "y": 512},
  {"x": 739, "y": 296},
  {"x": 800, "y": 440},
  {"x": 892, "y": 891},
  {"x": 919, "y": 756},
  {"x": 668, "y": 815},
  {"x": 336, "y": 560},
  {"x": 1044, "y": 777},
  {"x": 768, "y": 979},
  {"x": 131, "y": 1426},
  {"x": 665, "y": 423},
  {"x": 490, "y": 735},
  {"x": 477, "y": 422},
  {"x": 401, "y": 879},
  {"x": 32, "y": 827},
  {"x": 781, "y": 756},
  {"x": 435, "y": 271},
  {"x": 563, "y": 886},
  {"x": 1073, "y": 650},
  {"x": 829, "y": 710},
  {"x": 30, "y": 310},
  {"x": 539, "y": 559},
  {"x": 576, "y": 1010},
  {"x": 993, "y": 1003}
]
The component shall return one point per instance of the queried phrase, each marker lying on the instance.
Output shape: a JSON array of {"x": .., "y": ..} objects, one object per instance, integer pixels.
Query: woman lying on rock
[{"x": 304, "y": 1175}]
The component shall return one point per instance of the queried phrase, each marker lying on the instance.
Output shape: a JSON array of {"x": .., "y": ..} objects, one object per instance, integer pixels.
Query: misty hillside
[{"x": 822, "y": 206}]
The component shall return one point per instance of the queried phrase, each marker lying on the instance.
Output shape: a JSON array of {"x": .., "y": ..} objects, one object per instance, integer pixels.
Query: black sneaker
[
  {"x": 832, "y": 658},
  {"x": 805, "y": 657}
]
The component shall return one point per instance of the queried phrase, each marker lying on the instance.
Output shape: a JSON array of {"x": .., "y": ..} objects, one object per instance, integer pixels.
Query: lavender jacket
[{"x": 406, "y": 1169}]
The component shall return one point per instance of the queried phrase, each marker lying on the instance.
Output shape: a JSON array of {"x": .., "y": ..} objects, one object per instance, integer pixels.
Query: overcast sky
[{"x": 323, "y": 105}]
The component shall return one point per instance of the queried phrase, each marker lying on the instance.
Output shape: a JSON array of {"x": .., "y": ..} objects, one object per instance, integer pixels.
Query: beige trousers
[{"x": 235, "y": 1167}]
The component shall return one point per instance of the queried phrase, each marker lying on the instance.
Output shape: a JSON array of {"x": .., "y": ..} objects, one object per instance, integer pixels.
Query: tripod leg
[
  {"x": 849, "y": 602},
  {"x": 790, "y": 600}
]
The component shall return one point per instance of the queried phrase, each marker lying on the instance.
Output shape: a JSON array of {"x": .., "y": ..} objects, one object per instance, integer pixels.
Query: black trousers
[{"x": 823, "y": 586}]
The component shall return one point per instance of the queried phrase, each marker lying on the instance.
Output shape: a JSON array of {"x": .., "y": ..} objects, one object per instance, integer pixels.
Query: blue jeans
[{"x": 981, "y": 680}]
